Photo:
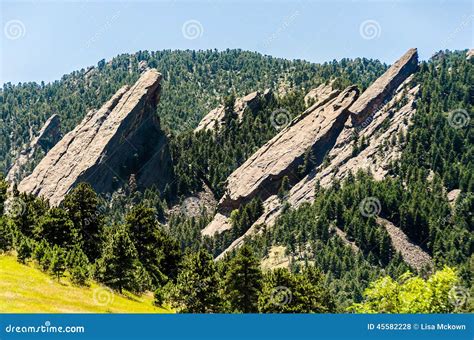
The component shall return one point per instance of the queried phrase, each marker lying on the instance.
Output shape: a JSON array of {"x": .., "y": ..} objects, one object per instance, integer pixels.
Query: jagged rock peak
[
  {"x": 47, "y": 137},
  {"x": 382, "y": 89},
  {"x": 215, "y": 118},
  {"x": 122, "y": 138}
]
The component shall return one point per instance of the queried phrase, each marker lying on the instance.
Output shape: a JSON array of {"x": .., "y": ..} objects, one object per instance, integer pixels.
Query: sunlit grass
[{"x": 25, "y": 289}]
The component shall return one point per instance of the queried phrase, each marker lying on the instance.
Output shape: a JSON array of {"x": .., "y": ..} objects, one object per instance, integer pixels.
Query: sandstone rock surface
[
  {"x": 215, "y": 118},
  {"x": 47, "y": 137},
  {"x": 374, "y": 97},
  {"x": 318, "y": 93},
  {"x": 316, "y": 129},
  {"x": 122, "y": 138},
  {"x": 386, "y": 109}
]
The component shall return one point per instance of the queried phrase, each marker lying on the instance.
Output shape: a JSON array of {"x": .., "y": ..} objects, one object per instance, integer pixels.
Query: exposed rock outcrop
[
  {"x": 122, "y": 138},
  {"x": 215, "y": 118},
  {"x": 383, "y": 122},
  {"x": 315, "y": 129},
  {"x": 318, "y": 93},
  {"x": 411, "y": 253},
  {"x": 470, "y": 54},
  {"x": 48, "y": 136},
  {"x": 375, "y": 96}
]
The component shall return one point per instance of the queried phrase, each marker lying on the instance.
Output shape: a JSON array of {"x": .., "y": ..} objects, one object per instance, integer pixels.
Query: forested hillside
[
  {"x": 194, "y": 82},
  {"x": 336, "y": 256}
]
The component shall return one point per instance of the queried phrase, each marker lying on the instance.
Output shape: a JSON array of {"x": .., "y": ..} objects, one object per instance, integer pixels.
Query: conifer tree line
[{"x": 130, "y": 242}]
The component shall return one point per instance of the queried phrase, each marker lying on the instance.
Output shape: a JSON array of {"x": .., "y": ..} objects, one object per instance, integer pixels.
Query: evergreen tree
[
  {"x": 24, "y": 251},
  {"x": 158, "y": 253},
  {"x": 56, "y": 228},
  {"x": 243, "y": 281},
  {"x": 58, "y": 262},
  {"x": 119, "y": 265},
  {"x": 84, "y": 210},
  {"x": 197, "y": 285}
]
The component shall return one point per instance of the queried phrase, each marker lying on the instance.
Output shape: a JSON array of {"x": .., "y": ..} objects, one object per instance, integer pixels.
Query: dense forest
[{"x": 133, "y": 242}]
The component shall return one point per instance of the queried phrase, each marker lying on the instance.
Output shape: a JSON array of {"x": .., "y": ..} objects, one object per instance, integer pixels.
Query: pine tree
[
  {"x": 24, "y": 251},
  {"x": 119, "y": 263},
  {"x": 243, "y": 281},
  {"x": 56, "y": 228},
  {"x": 58, "y": 262},
  {"x": 158, "y": 253},
  {"x": 84, "y": 210},
  {"x": 197, "y": 285}
]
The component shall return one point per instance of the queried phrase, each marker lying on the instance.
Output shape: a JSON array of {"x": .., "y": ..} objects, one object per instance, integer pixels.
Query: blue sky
[{"x": 42, "y": 40}]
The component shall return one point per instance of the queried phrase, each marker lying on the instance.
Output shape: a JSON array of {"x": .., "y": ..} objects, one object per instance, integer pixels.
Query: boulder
[{"x": 122, "y": 138}]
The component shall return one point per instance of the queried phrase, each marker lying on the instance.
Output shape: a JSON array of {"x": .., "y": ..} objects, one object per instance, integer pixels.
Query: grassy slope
[{"x": 25, "y": 289}]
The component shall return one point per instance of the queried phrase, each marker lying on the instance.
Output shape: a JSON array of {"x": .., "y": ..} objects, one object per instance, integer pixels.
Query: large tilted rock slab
[
  {"x": 48, "y": 136},
  {"x": 381, "y": 125},
  {"x": 317, "y": 128},
  {"x": 375, "y": 96},
  {"x": 120, "y": 139},
  {"x": 216, "y": 117}
]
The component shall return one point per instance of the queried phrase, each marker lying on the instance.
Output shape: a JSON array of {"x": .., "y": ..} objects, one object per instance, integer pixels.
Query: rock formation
[
  {"x": 216, "y": 117},
  {"x": 411, "y": 253},
  {"x": 48, "y": 136},
  {"x": 318, "y": 93},
  {"x": 375, "y": 96},
  {"x": 381, "y": 113},
  {"x": 122, "y": 138},
  {"x": 315, "y": 129}
]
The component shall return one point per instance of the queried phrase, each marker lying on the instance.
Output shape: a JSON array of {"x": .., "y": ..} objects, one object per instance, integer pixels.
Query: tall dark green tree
[
  {"x": 197, "y": 285},
  {"x": 56, "y": 228},
  {"x": 243, "y": 281},
  {"x": 157, "y": 251},
  {"x": 119, "y": 266},
  {"x": 84, "y": 209}
]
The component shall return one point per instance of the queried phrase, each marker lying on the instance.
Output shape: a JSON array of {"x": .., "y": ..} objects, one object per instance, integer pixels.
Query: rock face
[
  {"x": 215, "y": 118},
  {"x": 318, "y": 93},
  {"x": 374, "y": 97},
  {"x": 316, "y": 129},
  {"x": 469, "y": 54},
  {"x": 122, "y": 138},
  {"x": 345, "y": 154},
  {"x": 48, "y": 136}
]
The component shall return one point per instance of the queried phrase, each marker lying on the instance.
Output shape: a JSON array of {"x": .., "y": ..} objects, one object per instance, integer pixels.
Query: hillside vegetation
[{"x": 25, "y": 289}]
